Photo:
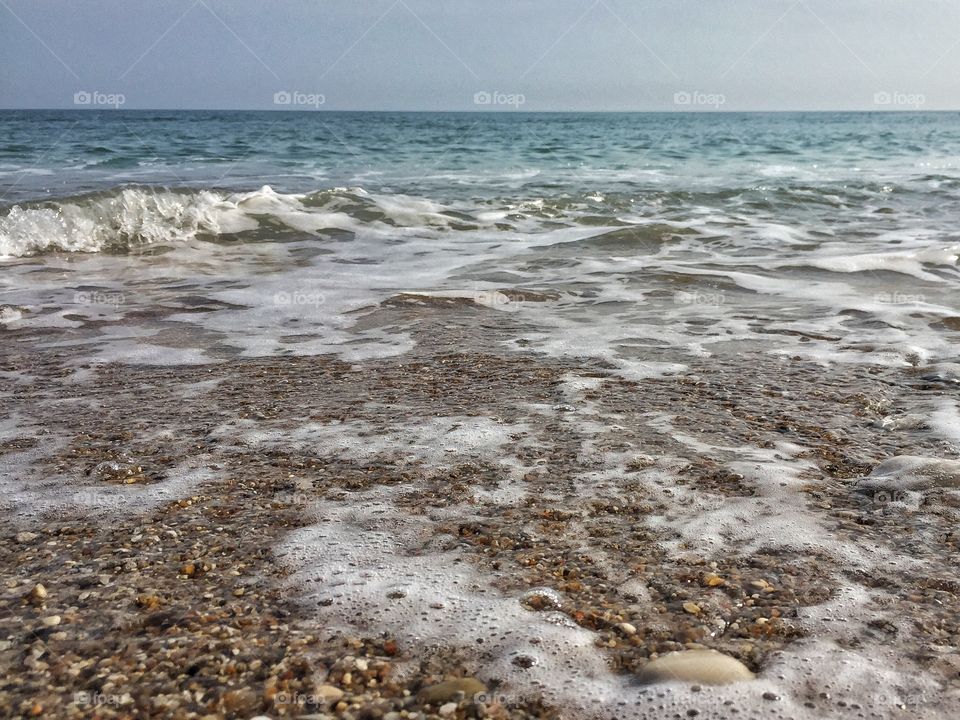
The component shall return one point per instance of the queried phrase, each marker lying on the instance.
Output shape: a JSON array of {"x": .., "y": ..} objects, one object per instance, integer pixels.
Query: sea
[{"x": 702, "y": 231}]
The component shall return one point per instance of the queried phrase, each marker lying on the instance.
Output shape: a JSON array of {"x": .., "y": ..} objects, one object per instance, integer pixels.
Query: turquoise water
[
  {"x": 823, "y": 225},
  {"x": 859, "y": 174},
  {"x": 449, "y": 156}
]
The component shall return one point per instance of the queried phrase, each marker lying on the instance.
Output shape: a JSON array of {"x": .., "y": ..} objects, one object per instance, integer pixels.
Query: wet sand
[{"x": 712, "y": 508}]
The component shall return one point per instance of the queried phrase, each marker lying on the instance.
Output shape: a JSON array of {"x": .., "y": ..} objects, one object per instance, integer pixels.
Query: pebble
[
  {"x": 706, "y": 667},
  {"x": 329, "y": 694},
  {"x": 38, "y": 593},
  {"x": 447, "y": 709},
  {"x": 236, "y": 701},
  {"x": 541, "y": 598},
  {"x": 446, "y": 691},
  {"x": 627, "y": 628},
  {"x": 25, "y": 537},
  {"x": 51, "y": 621}
]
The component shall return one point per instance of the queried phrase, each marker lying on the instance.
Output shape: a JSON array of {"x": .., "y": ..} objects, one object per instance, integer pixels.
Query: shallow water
[{"x": 829, "y": 236}]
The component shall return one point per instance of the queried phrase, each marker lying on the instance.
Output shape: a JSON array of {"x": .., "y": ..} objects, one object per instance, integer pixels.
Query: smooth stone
[
  {"x": 329, "y": 694},
  {"x": 447, "y": 709},
  {"x": 38, "y": 593},
  {"x": 706, "y": 667},
  {"x": 446, "y": 691},
  {"x": 25, "y": 537},
  {"x": 51, "y": 621}
]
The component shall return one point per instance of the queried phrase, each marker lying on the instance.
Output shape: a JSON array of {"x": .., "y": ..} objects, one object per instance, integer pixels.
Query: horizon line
[{"x": 480, "y": 112}]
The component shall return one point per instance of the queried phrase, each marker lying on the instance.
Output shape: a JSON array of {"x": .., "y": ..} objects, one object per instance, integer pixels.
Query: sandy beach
[{"x": 308, "y": 537}]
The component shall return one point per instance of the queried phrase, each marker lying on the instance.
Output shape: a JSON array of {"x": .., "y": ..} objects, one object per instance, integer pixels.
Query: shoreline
[{"x": 709, "y": 508}]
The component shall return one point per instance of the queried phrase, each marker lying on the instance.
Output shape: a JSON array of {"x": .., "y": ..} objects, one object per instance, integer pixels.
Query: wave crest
[{"x": 118, "y": 221}]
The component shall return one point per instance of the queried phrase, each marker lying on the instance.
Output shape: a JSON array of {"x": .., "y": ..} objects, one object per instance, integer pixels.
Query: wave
[
  {"x": 117, "y": 220},
  {"x": 123, "y": 219},
  {"x": 128, "y": 218}
]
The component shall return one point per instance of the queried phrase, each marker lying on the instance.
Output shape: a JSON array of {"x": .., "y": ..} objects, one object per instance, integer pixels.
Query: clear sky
[{"x": 481, "y": 54}]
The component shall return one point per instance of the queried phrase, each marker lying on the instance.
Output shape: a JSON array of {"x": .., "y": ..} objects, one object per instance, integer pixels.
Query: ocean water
[
  {"x": 608, "y": 300},
  {"x": 805, "y": 224}
]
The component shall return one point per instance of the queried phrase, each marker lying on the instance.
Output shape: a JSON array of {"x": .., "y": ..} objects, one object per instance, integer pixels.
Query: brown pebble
[
  {"x": 706, "y": 667},
  {"x": 38, "y": 594},
  {"x": 446, "y": 691},
  {"x": 329, "y": 694},
  {"x": 239, "y": 700}
]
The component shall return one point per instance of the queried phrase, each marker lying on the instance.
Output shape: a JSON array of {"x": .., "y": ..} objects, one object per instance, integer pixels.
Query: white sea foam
[
  {"x": 29, "y": 489},
  {"x": 133, "y": 217},
  {"x": 120, "y": 220},
  {"x": 368, "y": 565}
]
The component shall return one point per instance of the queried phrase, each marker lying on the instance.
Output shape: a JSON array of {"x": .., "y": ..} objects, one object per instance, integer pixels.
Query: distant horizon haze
[{"x": 428, "y": 55}]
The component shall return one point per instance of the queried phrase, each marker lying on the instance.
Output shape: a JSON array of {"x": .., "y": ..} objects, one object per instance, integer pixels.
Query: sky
[{"x": 481, "y": 55}]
